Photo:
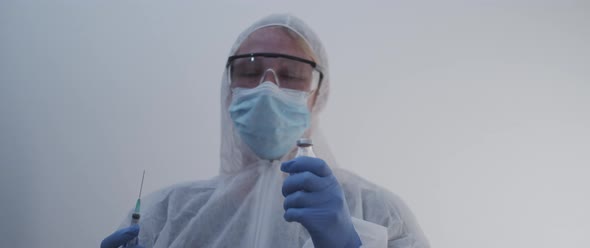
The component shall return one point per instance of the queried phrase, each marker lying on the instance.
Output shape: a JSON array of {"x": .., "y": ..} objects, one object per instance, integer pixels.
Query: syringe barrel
[{"x": 134, "y": 220}]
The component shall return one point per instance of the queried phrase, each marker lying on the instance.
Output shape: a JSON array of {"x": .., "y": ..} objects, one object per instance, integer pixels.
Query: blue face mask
[{"x": 269, "y": 119}]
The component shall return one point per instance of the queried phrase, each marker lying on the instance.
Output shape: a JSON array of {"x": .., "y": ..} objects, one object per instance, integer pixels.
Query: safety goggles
[{"x": 249, "y": 70}]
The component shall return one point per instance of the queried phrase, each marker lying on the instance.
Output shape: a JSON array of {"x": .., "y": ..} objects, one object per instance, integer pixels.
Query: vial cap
[{"x": 304, "y": 142}]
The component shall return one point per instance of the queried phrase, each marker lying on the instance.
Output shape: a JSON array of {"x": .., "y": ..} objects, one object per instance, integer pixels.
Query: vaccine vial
[{"x": 305, "y": 148}]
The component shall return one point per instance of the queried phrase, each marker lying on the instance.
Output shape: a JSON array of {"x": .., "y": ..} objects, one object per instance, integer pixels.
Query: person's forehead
[{"x": 272, "y": 40}]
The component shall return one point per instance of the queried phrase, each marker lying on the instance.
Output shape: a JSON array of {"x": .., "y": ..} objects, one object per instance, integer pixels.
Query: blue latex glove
[
  {"x": 313, "y": 197},
  {"x": 121, "y": 237}
]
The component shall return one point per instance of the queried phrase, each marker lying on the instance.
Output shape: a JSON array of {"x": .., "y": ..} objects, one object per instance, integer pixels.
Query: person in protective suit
[{"x": 275, "y": 84}]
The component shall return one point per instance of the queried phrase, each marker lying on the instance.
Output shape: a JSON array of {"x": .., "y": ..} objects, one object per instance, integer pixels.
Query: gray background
[{"x": 476, "y": 113}]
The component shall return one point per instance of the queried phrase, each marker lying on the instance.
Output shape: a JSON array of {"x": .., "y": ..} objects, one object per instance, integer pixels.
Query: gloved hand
[
  {"x": 313, "y": 197},
  {"x": 121, "y": 237}
]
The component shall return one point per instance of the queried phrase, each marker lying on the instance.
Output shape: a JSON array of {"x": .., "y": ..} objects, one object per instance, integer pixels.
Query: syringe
[{"x": 135, "y": 216}]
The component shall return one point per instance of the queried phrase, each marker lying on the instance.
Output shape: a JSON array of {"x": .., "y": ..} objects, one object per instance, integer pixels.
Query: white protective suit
[{"x": 243, "y": 206}]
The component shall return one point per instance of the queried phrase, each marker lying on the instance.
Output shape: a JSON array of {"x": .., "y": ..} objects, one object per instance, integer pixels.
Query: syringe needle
[{"x": 141, "y": 186}]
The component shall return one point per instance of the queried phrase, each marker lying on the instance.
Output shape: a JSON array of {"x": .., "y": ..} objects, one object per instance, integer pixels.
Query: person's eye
[
  {"x": 248, "y": 73},
  {"x": 288, "y": 74}
]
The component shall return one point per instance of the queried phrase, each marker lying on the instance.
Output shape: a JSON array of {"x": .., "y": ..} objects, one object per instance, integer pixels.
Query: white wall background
[{"x": 476, "y": 113}]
